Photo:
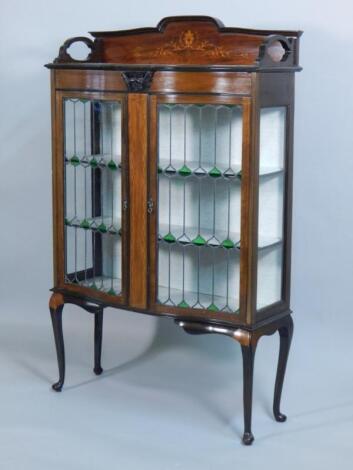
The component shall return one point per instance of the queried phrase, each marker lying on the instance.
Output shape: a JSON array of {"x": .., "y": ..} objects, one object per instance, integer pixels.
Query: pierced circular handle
[
  {"x": 278, "y": 51},
  {"x": 64, "y": 55},
  {"x": 275, "y": 50}
]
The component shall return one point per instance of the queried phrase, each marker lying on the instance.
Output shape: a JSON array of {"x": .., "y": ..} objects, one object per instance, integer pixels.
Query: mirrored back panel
[
  {"x": 93, "y": 194},
  {"x": 199, "y": 198},
  {"x": 271, "y": 205}
]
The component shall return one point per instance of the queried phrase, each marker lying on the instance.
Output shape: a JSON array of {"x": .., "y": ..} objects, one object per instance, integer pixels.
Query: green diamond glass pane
[
  {"x": 183, "y": 304},
  {"x": 67, "y": 222},
  {"x": 74, "y": 160},
  {"x": 169, "y": 238},
  {"x": 199, "y": 241},
  {"x": 111, "y": 291},
  {"x": 85, "y": 224},
  {"x": 112, "y": 165},
  {"x": 185, "y": 171},
  {"x": 93, "y": 163},
  {"x": 102, "y": 228},
  {"x": 215, "y": 173},
  {"x": 228, "y": 244},
  {"x": 239, "y": 175},
  {"x": 159, "y": 169},
  {"x": 213, "y": 308}
]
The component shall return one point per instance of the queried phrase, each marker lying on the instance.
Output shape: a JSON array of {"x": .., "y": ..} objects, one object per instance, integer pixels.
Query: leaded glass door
[
  {"x": 199, "y": 154},
  {"x": 94, "y": 195}
]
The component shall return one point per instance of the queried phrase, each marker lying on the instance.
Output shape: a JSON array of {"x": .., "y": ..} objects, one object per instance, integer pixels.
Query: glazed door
[
  {"x": 196, "y": 229},
  {"x": 90, "y": 199}
]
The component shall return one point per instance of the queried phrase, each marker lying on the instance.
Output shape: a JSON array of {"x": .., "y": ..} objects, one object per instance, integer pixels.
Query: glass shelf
[
  {"x": 93, "y": 161},
  {"x": 99, "y": 224},
  {"x": 111, "y": 286},
  {"x": 190, "y": 299},
  {"x": 190, "y": 235},
  {"x": 193, "y": 168},
  {"x": 179, "y": 168}
]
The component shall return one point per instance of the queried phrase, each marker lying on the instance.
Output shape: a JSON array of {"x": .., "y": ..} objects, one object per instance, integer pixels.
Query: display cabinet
[{"x": 172, "y": 182}]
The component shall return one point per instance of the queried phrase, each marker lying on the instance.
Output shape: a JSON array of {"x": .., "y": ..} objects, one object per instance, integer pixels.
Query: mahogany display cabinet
[{"x": 172, "y": 182}]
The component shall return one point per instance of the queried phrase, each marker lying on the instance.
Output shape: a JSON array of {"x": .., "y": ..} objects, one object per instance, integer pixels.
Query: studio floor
[{"x": 167, "y": 400}]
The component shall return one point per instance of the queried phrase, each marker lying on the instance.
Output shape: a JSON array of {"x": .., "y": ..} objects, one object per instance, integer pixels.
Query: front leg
[
  {"x": 98, "y": 334},
  {"x": 56, "y": 305},
  {"x": 285, "y": 333},
  {"x": 248, "y": 340},
  {"x": 248, "y": 352}
]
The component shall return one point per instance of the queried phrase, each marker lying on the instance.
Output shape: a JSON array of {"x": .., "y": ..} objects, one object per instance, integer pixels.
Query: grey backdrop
[{"x": 168, "y": 400}]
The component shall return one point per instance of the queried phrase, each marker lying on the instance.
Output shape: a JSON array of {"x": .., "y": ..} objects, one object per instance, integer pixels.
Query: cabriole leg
[
  {"x": 248, "y": 341},
  {"x": 248, "y": 375},
  {"x": 56, "y": 305},
  {"x": 285, "y": 333},
  {"x": 98, "y": 334}
]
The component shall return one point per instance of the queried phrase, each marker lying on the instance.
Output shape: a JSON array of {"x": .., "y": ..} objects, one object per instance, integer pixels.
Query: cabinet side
[
  {"x": 53, "y": 140},
  {"x": 276, "y": 111}
]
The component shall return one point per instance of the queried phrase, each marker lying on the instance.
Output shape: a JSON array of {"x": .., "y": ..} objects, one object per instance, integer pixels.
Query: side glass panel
[
  {"x": 271, "y": 206},
  {"x": 92, "y": 152},
  {"x": 199, "y": 194}
]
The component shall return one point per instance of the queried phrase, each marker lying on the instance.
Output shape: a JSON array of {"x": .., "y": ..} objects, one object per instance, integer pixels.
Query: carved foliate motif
[
  {"x": 138, "y": 80},
  {"x": 189, "y": 40}
]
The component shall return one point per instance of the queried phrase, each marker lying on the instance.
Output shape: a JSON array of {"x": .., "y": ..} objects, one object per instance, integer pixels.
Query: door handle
[{"x": 150, "y": 205}]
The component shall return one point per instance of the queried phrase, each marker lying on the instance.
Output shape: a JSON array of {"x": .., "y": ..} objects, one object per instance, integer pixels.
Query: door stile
[
  {"x": 152, "y": 199},
  {"x": 138, "y": 153},
  {"x": 125, "y": 215},
  {"x": 250, "y": 195},
  {"x": 246, "y": 202},
  {"x": 58, "y": 190}
]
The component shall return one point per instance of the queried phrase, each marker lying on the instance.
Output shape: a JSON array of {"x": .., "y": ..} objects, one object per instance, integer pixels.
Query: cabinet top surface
[{"x": 186, "y": 43}]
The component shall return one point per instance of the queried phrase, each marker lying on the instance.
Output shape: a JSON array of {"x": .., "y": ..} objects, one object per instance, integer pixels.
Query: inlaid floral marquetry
[{"x": 189, "y": 40}]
